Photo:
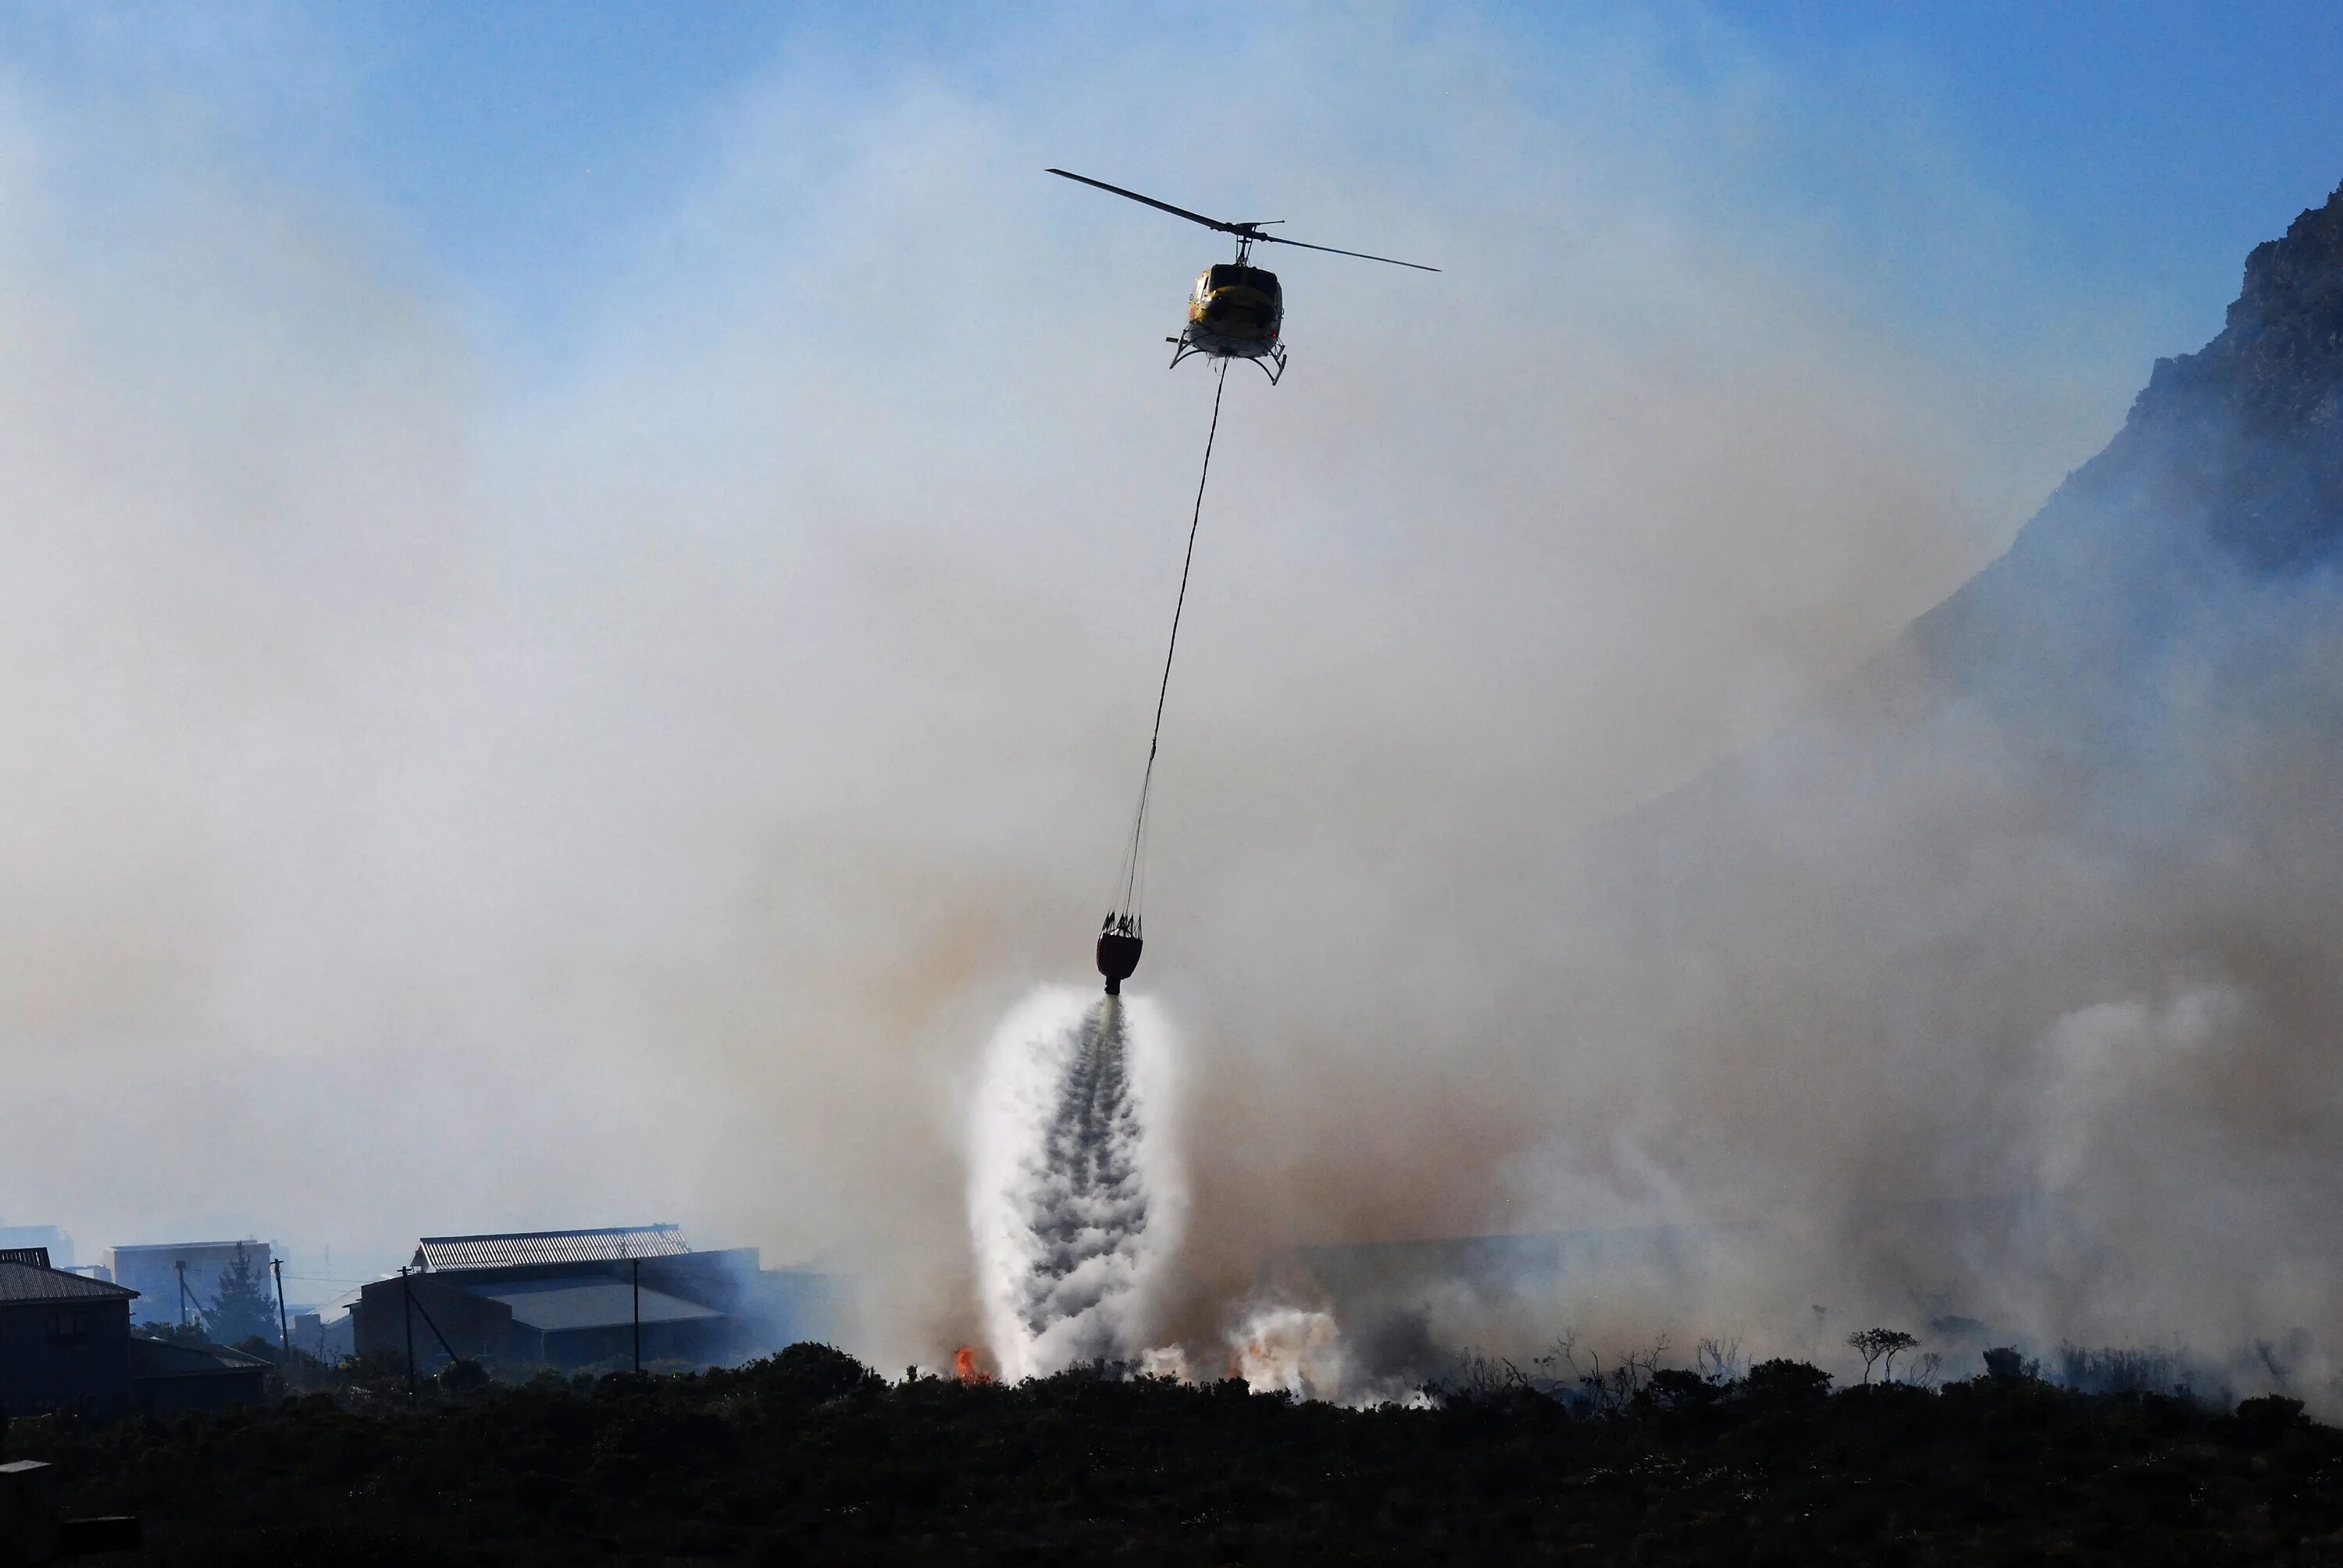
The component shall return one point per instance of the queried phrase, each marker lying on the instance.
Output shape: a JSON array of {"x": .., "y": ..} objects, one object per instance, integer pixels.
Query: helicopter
[{"x": 1236, "y": 308}]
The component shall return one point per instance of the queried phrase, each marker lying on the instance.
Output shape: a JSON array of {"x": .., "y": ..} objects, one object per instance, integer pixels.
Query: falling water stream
[{"x": 1073, "y": 1198}]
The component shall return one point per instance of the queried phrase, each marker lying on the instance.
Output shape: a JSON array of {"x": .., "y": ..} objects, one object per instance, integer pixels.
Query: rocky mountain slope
[{"x": 2043, "y": 900}]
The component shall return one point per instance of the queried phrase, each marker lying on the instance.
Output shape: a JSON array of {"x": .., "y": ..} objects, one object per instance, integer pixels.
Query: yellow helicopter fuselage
[{"x": 1235, "y": 310}]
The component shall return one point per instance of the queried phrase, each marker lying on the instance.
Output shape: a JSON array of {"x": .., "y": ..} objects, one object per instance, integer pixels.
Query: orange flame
[{"x": 964, "y": 1366}]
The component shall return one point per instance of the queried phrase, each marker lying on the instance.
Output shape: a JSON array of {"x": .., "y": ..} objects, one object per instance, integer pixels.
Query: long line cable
[{"x": 1134, "y": 873}]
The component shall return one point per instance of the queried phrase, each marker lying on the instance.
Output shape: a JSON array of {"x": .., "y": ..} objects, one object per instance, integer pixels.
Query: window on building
[{"x": 69, "y": 1328}]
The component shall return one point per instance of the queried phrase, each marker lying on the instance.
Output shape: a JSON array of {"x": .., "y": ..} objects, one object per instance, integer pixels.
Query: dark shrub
[
  {"x": 814, "y": 1372},
  {"x": 2004, "y": 1364},
  {"x": 376, "y": 1371},
  {"x": 462, "y": 1376},
  {"x": 2271, "y": 1416},
  {"x": 1675, "y": 1389},
  {"x": 1786, "y": 1383}
]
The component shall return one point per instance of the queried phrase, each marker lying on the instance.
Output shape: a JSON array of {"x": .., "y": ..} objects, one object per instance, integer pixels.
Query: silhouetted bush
[
  {"x": 463, "y": 1375},
  {"x": 2005, "y": 1364},
  {"x": 809, "y": 1457},
  {"x": 1786, "y": 1383},
  {"x": 812, "y": 1373},
  {"x": 1675, "y": 1389},
  {"x": 2270, "y": 1417}
]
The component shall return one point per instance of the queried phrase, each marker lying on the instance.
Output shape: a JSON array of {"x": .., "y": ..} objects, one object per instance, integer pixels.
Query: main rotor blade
[
  {"x": 1247, "y": 230},
  {"x": 1362, "y": 256},
  {"x": 1150, "y": 201}
]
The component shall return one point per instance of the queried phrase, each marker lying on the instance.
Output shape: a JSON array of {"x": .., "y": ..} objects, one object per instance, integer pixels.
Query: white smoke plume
[
  {"x": 448, "y": 791},
  {"x": 1279, "y": 1348}
]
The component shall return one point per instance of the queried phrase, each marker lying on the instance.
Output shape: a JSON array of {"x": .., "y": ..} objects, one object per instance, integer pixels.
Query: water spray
[{"x": 1075, "y": 1199}]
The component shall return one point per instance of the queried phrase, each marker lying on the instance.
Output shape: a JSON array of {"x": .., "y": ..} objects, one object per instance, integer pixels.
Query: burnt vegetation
[{"x": 810, "y": 1457}]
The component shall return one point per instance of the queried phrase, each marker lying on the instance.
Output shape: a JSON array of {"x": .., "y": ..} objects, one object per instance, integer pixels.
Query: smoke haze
[{"x": 453, "y": 788}]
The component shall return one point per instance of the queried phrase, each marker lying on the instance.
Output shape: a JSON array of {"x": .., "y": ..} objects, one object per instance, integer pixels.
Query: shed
[
  {"x": 180, "y": 1375},
  {"x": 574, "y": 1298},
  {"x": 64, "y": 1338}
]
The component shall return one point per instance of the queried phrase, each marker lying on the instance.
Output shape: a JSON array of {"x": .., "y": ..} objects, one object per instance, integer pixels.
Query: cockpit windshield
[{"x": 1228, "y": 275}]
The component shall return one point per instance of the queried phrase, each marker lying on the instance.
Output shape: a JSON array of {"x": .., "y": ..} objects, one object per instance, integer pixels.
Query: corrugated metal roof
[
  {"x": 555, "y": 1305},
  {"x": 170, "y": 1358},
  {"x": 608, "y": 1244},
  {"x": 23, "y": 1282}
]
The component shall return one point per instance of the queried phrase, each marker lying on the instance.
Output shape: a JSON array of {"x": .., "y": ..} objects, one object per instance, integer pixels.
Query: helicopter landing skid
[{"x": 1271, "y": 363}]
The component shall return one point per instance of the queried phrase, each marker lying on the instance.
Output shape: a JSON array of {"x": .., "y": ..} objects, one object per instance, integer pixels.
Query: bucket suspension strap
[{"x": 1135, "y": 860}]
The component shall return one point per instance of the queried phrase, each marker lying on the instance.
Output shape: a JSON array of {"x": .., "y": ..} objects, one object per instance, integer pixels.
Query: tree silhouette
[
  {"x": 243, "y": 1305},
  {"x": 1873, "y": 1343}
]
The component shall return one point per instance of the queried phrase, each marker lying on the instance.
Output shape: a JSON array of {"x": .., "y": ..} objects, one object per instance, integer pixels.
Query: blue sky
[
  {"x": 522, "y": 148},
  {"x": 2172, "y": 134}
]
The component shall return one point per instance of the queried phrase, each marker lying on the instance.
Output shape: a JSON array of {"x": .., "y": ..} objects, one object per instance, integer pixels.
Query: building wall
[
  {"x": 58, "y": 1244},
  {"x": 39, "y": 1371},
  {"x": 700, "y": 1341},
  {"x": 327, "y": 1339},
  {"x": 474, "y": 1325},
  {"x": 762, "y": 1312},
  {"x": 149, "y": 1270}
]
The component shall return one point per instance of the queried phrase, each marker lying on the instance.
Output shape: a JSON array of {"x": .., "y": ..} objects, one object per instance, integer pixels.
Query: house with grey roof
[{"x": 64, "y": 1338}]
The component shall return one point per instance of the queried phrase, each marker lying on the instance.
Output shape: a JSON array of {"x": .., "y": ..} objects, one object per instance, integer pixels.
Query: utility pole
[
  {"x": 638, "y": 1264},
  {"x": 181, "y": 1264},
  {"x": 283, "y": 1326},
  {"x": 406, "y": 1304}
]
